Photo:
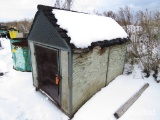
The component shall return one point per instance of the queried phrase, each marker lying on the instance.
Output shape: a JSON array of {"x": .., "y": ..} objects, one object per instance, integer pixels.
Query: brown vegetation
[
  {"x": 23, "y": 25},
  {"x": 143, "y": 27}
]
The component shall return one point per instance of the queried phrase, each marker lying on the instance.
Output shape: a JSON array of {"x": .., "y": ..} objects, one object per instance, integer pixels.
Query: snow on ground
[
  {"x": 20, "y": 101},
  {"x": 103, "y": 105},
  {"x": 18, "y": 98},
  {"x": 85, "y": 29}
]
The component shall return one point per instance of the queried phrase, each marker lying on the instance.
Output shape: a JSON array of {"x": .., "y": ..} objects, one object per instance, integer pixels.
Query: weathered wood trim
[
  {"x": 49, "y": 46},
  {"x": 34, "y": 64},
  {"x": 126, "y": 44},
  {"x": 65, "y": 93},
  {"x": 70, "y": 59},
  {"x": 107, "y": 66},
  {"x": 78, "y": 50},
  {"x": 129, "y": 102}
]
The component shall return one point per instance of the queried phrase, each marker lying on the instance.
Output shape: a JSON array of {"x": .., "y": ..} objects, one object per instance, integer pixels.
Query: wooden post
[{"x": 128, "y": 103}]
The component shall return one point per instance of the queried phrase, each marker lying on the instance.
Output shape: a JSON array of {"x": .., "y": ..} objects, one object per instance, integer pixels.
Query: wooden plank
[{"x": 128, "y": 103}]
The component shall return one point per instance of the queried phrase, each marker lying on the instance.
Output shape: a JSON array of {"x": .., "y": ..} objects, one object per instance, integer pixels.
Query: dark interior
[{"x": 47, "y": 67}]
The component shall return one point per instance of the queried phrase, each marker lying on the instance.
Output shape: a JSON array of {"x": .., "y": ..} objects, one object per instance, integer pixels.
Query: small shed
[{"x": 74, "y": 55}]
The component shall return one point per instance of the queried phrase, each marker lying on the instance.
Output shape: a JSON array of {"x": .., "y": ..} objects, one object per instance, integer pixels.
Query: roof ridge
[{"x": 44, "y": 7}]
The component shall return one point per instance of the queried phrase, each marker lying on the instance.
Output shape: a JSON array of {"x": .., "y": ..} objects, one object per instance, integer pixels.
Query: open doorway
[{"x": 48, "y": 71}]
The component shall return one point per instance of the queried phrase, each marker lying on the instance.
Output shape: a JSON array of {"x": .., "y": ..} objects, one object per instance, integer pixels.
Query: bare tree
[
  {"x": 58, "y": 4},
  {"x": 68, "y": 3},
  {"x": 63, "y": 4},
  {"x": 110, "y": 14},
  {"x": 23, "y": 25},
  {"x": 125, "y": 17},
  {"x": 144, "y": 48}
]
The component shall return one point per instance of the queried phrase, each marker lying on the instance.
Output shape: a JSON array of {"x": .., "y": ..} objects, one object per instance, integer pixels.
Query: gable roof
[
  {"x": 106, "y": 36},
  {"x": 85, "y": 29}
]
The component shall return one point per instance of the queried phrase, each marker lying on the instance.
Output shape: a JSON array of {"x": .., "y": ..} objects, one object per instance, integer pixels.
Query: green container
[
  {"x": 14, "y": 40},
  {"x": 21, "y": 56},
  {"x": 2, "y": 31}
]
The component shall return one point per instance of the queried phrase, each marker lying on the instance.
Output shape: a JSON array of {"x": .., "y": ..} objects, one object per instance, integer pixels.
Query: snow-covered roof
[{"x": 84, "y": 29}]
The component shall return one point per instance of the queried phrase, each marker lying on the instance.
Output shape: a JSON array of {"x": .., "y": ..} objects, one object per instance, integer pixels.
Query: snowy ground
[{"x": 20, "y": 101}]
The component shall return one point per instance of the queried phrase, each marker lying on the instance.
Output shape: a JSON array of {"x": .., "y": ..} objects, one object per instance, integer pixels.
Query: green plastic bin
[
  {"x": 21, "y": 56},
  {"x": 13, "y": 40}
]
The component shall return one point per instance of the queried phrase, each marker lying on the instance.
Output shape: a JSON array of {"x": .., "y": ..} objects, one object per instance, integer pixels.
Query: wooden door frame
[{"x": 59, "y": 71}]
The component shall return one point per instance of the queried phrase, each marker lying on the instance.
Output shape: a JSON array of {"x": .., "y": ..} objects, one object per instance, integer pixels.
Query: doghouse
[{"x": 71, "y": 71}]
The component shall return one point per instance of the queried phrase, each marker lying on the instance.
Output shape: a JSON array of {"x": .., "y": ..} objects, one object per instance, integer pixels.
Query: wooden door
[{"x": 48, "y": 71}]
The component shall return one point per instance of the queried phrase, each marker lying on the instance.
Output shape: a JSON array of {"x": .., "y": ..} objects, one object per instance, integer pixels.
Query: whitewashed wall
[
  {"x": 89, "y": 75},
  {"x": 116, "y": 61}
]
